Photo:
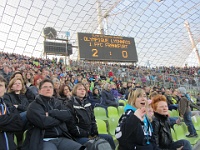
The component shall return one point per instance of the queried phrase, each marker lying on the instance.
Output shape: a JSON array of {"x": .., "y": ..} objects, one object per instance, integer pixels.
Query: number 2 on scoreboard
[{"x": 95, "y": 52}]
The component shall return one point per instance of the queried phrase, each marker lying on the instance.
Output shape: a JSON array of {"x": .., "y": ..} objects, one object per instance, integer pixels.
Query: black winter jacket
[
  {"x": 16, "y": 99},
  {"x": 162, "y": 132},
  {"x": 48, "y": 119},
  {"x": 133, "y": 134},
  {"x": 83, "y": 123},
  {"x": 10, "y": 122}
]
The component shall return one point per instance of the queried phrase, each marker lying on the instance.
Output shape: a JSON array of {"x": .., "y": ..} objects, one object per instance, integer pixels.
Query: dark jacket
[
  {"x": 108, "y": 98},
  {"x": 133, "y": 134},
  {"x": 45, "y": 125},
  {"x": 31, "y": 93},
  {"x": 184, "y": 105},
  {"x": 95, "y": 100},
  {"x": 16, "y": 99},
  {"x": 10, "y": 122},
  {"x": 162, "y": 132},
  {"x": 83, "y": 123}
]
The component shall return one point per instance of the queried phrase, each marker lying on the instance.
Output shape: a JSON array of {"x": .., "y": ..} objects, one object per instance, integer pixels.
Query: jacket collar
[{"x": 161, "y": 117}]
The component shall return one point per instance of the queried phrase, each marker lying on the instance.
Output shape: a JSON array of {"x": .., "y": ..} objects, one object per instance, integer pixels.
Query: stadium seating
[
  {"x": 112, "y": 124},
  {"x": 101, "y": 125},
  {"x": 112, "y": 112},
  {"x": 120, "y": 110},
  {"x": 181, "y": 131},
  {"x": 100, "y": 113}
]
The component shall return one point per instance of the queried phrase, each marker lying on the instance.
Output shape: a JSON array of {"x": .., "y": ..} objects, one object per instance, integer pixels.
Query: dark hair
[
  {"x": 17, "y": 72},
  {"x": 61, "y": 91},
  {"x": 44, "y": 81},
  {"x": 2, "y": 79}
]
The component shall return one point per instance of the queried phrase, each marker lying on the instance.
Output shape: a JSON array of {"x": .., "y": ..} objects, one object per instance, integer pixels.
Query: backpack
[
  {"x": 119, "y": 128},
  {"x": 97, "y": 144}
]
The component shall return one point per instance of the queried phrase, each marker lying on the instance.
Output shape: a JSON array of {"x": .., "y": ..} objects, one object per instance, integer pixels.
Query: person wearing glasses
[{"x": 48, "y": 121}]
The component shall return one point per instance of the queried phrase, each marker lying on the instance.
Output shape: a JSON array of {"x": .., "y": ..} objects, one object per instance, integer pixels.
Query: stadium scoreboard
[{"x": 106, "y": 48}]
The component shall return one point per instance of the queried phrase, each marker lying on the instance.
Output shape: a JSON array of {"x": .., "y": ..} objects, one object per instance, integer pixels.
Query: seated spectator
[
  {"x": 115, "y": 92},
  {"x": 107, "y": 97},
  {"x": 169, "y": 100},
  {"x": 161, "y": 126},
  {"x": 6, "y": 72},
  {"x": 56, "y": 84},
  {"x": 95, "y": 98},
  {"x": 28, "y": 79},
  {"x": 16, "y": 97},
  {"x": 124, "y": 88},
  {"x": 65, "y": 92},
  {"x": 30, "y": 91},
  {"x": 83, "y": 123},
  {"x": 10, "y": 121},
  {"x": 49, "y": 123},
  {"x": 175, "y": 97},
  {"x": 135, "y": 130}
]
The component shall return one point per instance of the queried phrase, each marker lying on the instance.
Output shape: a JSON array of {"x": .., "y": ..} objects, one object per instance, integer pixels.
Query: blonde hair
[
  {"x": 133, "y": 95},
  {"x": 11, "y": 83},
  {"x": 74, "y": 90}
]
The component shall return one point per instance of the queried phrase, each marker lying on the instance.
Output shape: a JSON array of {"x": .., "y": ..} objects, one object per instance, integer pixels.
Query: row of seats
[
  {"x": 180, "y": 131},
  {"x": 111, "y": 112}
]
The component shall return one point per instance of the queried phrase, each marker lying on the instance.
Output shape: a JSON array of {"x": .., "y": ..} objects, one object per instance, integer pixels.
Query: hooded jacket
[
  {"x": 83, "y": 123},
  {"x": 135, "y": 134}
]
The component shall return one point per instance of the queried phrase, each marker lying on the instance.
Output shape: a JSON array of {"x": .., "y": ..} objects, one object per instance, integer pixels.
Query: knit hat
[{"x": 182, "y": 90}]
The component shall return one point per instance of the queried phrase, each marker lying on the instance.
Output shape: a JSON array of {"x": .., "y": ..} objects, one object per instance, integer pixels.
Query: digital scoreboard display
[{"x": 106, "y": 48}]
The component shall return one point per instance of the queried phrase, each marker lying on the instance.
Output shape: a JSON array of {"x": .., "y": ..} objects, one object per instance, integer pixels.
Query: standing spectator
[
  {"x": 161, "y": 126},
  {"x": 10, "y": 121},
  {"x": 198, "y": 99},
  {"x": 185, "y": 112}
]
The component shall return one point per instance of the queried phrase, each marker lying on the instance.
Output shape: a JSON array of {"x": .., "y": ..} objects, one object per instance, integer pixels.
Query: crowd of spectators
[{"x": 104, "y": 85}]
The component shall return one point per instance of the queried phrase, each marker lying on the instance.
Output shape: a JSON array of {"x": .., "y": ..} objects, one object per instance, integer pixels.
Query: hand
[
  {"x": 178, "y": 121},
  {"x": 92, "y": 137},
  {"x": 180, "y": 148},
  {"x": 140, "y": 113},
  {"x": 47, "y": 114},
  {"x": 16, "y": 106}
]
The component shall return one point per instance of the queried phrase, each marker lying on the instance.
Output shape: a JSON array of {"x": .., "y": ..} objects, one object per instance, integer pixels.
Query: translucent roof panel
[{"x": 158, "y": 26}]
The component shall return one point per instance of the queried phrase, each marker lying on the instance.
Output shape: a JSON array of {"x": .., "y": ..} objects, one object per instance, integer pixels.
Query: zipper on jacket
[
  {"x": 56, "y": 131},
  {"x": 78, "y": 130}
]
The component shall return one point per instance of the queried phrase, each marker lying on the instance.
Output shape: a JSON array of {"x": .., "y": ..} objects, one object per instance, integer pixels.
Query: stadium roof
[{"x": 158, "y": 27}]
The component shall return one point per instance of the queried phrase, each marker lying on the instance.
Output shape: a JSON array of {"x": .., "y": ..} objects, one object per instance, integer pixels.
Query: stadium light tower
[
  {"x": 186, "y": 24},
  {"x": 102, "y": 17}
]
